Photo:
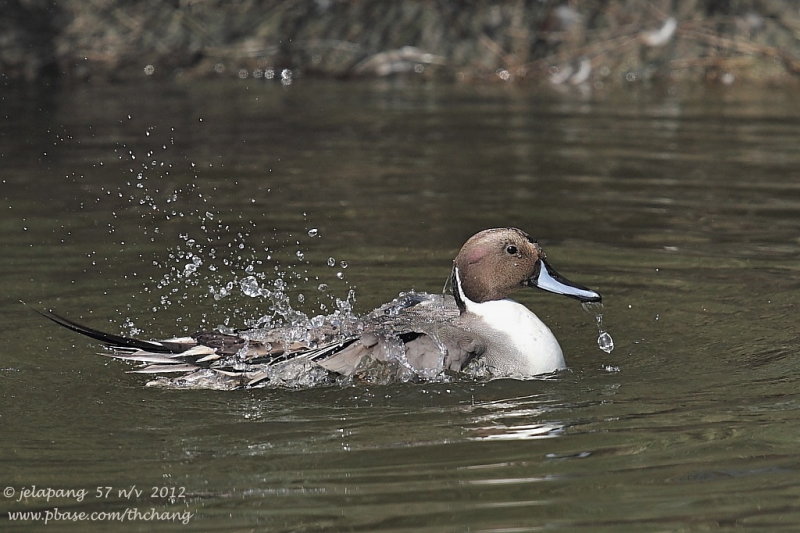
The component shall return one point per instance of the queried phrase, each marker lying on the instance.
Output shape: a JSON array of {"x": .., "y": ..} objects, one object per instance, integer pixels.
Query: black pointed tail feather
[{"x": 111, "y": 339}]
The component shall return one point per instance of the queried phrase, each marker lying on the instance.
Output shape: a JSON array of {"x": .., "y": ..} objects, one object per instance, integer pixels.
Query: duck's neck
[{"x": 525, "y": 345}]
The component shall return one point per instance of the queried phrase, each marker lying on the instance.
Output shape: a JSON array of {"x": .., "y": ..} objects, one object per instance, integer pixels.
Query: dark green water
[{"x": 683, "y": 210}]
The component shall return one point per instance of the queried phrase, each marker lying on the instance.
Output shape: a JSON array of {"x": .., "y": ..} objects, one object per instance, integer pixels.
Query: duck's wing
[
  {"x": 434, "y": 335},
  {"x": 419, "y": 330},
  {"x": 427, "y": 351}
]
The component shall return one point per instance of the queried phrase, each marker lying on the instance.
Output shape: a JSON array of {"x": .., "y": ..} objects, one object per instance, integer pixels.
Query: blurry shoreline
[{"x": 567, "y": 44}]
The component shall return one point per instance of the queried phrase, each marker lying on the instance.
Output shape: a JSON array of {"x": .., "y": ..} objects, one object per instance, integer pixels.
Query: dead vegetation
[{"x": 564, "y": 43}]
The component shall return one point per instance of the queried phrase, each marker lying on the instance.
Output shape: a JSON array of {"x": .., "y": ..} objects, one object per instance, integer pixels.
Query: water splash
[
  {"x": 604, "y": 340},
  {"x": 217, "y": 265}
]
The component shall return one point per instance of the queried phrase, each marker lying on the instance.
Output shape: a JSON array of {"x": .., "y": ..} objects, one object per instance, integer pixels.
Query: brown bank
[{"x": 556, "y": 42}]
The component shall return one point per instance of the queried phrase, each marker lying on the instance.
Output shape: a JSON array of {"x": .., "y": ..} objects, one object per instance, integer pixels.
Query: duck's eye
[{"x": 511, "y": 249}]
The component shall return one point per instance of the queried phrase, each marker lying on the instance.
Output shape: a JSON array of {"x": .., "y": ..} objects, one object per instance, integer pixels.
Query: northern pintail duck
[{"x": 417, "y": 334}]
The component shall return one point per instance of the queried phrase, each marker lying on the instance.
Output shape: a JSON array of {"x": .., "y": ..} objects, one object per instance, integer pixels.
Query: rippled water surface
[{"x": 139, "y": 209}]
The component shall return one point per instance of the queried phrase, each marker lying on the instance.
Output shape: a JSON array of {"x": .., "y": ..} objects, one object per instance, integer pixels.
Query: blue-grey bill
[{"x": 549, "y": 280}]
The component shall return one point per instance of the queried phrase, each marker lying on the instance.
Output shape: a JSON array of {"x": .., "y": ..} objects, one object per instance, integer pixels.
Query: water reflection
[
  {"x": 518, "y": 432},
  {"x": 513, "y": 419}
]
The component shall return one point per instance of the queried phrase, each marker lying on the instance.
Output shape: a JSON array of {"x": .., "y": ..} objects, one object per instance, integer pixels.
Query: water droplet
[
  {"x": 249, "y": 286},
  {"x": 322, "y": 287},
  {"x": 605, "y": 342},
  {"x": 313, "y": 232},
  {"x": 340, "y": 275},
  {"x": 331, "y": 262},
  {"x": 343, "y": 264},
  {"x": 300, "y": 254}
]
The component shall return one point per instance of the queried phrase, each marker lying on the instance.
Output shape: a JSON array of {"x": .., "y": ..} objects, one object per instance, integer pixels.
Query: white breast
[{"x": 518, "y": 343}]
